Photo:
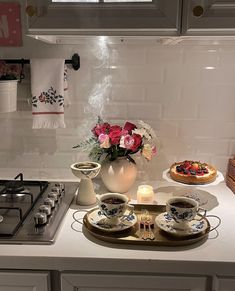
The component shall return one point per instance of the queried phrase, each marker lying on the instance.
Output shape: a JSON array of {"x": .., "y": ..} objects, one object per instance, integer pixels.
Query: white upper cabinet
[
  {"x": 208, "y": 17},
  {"x": 104, "y": 17}
]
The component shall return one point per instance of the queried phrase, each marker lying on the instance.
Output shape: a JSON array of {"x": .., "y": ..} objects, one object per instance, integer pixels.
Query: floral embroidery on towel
[{"x": 49, "y": 97}]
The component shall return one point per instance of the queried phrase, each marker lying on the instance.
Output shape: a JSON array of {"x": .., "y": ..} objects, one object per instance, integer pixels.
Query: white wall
[{"x": 191, "y": 107}]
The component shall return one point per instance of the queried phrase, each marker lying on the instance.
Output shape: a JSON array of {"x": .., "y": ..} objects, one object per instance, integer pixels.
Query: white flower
[
  {"x": 148, "y": 151},
  {"x": 150, "y": 134},
  {"x": 141, "y": 131}
]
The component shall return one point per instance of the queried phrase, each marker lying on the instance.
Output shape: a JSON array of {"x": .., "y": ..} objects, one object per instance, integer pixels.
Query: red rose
[
  {"x": 42, "y": 98},
  {"x": 137, "y": 142},
  {"x": 115, "y": 134},
  {"x": 101, "y": 128},
  {"x": 115, "y": 128},
  {"x": 129, "y": 126}
]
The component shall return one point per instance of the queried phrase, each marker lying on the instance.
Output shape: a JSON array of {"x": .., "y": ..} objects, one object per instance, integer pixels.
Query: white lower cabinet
[
  {"x": 24, "y": 281},
  {"x": 126, "y": 282},
  {"x": 225, "y": 284}
]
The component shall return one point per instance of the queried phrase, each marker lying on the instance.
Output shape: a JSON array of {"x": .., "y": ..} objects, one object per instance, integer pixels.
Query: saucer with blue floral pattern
[
  {"x": 166, "y": 223},
  {"x": 97, "y": 219}
]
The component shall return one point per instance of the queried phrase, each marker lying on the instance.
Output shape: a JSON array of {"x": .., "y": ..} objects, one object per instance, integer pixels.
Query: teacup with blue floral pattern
[
  {"x": 182, "y": 210},
  {"x": 114, "y": 206}
]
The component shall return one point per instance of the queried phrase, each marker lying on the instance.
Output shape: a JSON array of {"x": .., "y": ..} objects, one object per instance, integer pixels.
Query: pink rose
[
  {"x": 115, "y": 134},
  {"x": 127, "y": 142},
  {"x": 154, "y": 150},
  {"x": 137, "y": 142},
  {"x": 104, "y": 141},
  {"x": 129, "y": 126},
  {"x": 101, "y": 128}
]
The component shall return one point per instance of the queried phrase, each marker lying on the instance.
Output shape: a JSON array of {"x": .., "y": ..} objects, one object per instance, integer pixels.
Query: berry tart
[{"x": 192, "y": 172}]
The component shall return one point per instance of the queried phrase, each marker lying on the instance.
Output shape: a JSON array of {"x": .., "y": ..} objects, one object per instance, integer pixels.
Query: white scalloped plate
[{"x": 166, "y": 176}]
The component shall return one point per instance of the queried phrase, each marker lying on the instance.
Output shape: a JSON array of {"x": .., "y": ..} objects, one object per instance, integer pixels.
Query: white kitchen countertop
[{"x": 75, "y": 251}]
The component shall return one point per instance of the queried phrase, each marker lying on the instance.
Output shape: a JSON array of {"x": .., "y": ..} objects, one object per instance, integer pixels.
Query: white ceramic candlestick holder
[{"x": 86, "y": 171}]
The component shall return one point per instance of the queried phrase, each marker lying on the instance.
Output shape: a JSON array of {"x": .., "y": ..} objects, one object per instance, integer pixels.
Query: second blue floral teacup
[{"x": 182, "y": 210}]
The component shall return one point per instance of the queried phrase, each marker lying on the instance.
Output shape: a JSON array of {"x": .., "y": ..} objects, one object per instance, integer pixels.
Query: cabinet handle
[
  {"x": 31, "y": 10},
  {"x": 198, "y": 11}
]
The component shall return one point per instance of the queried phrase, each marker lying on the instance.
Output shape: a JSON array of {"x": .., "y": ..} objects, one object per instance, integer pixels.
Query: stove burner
[{"x": 14, "y": 187}]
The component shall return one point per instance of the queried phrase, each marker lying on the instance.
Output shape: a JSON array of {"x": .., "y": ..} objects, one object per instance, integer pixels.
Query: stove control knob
[
  {"x": 55, "y": 189},
  {"x": 40, "y": 218},
  {"x": 45, "y": 209},
  {"x": 61, "y": 187},
  {"x": 50, "y": 202},
  {"x": 54, "y": 196}
]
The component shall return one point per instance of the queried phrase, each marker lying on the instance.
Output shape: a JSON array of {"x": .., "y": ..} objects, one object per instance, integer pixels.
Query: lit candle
[{"x": 145, "y": 194}]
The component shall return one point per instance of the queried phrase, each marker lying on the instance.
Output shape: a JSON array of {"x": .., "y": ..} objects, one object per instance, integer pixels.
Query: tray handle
[{"x": 219, "y": 221}]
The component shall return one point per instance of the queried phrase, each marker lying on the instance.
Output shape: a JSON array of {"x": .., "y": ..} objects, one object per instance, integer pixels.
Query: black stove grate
[{"x": 17, "y": 198}]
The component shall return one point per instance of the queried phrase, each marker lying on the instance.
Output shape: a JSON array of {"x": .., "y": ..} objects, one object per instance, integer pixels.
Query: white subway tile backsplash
[
  {"x": 232, "y": 148},
  {"x": 185, "y": 92},
  {"x": 61, "y": 160},
  {"x": 145, "y": 111},
  {"x": 182, "y": 74},
  {"x": 176, "y": 146},
  {"x": 132, "y": 93},
  {"x": 114, "y": 110},
  {"x": 164, "y": 56},
  {"x": 145, "y": 74},
  {"x": 222, "y": 111},
  {"x": 203, "y": 146},
  {"x": 180, "y": 110},
  {"x": 224, "y": 130},
  {"x": 200, "y": 57},
  {"x": 163, "y": 93},
  {"x": 166, "y": 128},
  {"x": 196, "y": 128},
  {"x": 220, "y": 162},
  {"x": 24, "y": 160},
  {"x": 226, "y": 56},
  {"x": 126, "y": 55},
  {"x": 198, "y": 93}
]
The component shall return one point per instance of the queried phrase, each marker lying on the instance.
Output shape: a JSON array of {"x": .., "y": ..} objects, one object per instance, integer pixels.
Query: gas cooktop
[{"x": 32, "y": 211}]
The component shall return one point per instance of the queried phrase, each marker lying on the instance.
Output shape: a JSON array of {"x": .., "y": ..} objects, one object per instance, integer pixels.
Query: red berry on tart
[{"x": 193, "y": 172}]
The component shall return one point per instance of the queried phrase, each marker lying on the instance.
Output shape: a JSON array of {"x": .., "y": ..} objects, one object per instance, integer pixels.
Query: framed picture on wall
[{"x": 10, "y": 24}]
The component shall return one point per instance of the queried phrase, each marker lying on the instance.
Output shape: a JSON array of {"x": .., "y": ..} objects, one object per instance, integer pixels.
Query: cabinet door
[
  {"x": 208, "y": 17},
  {"x": 24, "y": 281},
  {"x": 106, "y": 17},
  {"x": 105, "y": 282},
  {"x": 225, "y": 284}
]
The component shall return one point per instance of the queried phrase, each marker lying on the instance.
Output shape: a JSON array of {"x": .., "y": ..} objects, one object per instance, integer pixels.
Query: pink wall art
[{"x": 10, "y": 24}]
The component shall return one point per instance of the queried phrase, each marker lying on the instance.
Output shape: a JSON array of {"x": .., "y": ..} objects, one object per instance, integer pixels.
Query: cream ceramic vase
[
  {"x": 118, "y": 175},
  {"x": 8, "y": 95}
]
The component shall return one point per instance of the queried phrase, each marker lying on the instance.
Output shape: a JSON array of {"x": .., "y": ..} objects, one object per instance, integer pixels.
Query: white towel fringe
[{"x": 51, "y": 123}]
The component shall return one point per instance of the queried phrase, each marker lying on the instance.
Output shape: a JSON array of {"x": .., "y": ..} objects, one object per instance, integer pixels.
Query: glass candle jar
[{"x": 145, "y": 194}]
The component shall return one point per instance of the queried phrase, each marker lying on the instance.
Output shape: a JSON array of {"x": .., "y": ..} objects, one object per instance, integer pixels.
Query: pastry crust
[{"x": 196, "y": 178}]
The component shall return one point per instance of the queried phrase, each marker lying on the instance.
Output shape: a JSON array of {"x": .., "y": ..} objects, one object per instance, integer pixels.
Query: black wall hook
[{"x": 75, "y": 62}]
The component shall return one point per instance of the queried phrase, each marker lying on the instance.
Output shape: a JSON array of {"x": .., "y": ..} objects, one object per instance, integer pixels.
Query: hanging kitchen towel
[
  {"x": 67, "y": 101},
  {"x": 47, "y": 88}
]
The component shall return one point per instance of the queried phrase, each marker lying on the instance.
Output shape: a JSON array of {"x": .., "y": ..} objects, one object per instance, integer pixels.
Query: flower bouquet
[
  {"x": 115, "y": 141},
  {"x": 10, "y": 74},
  {"x": 9, "y": 71}
]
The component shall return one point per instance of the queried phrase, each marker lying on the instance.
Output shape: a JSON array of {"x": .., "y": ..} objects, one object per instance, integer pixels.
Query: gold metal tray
[{"x": 133, "y": 234}]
